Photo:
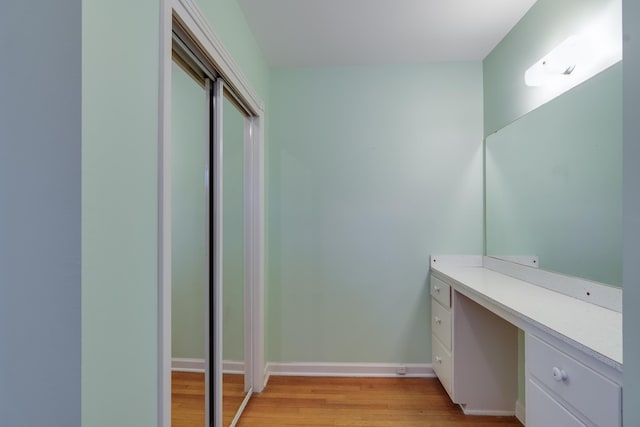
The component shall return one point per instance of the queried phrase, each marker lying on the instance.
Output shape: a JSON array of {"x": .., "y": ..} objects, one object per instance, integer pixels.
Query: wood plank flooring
[
  {"x": 371, "y": 402},
  {"x": 187, "y": 398}
]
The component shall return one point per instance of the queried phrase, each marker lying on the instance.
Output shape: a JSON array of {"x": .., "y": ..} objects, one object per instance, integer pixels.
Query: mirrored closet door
[
  {"x": 211, "y": 292},
  {"x": 189, "y": 249},
  {"x": 235, "y": 386}
]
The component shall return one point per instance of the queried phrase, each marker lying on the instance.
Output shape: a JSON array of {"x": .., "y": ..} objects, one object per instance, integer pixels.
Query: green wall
[
  {"x": 119, "y": 212},
  {"x": 547, "y": 24},
  {"x": 189, "y": 136},
  {"x": 371, "y": 169}
]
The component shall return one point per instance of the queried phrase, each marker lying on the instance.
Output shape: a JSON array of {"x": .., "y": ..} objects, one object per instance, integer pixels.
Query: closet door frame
[{"x": 187, "y": 15}]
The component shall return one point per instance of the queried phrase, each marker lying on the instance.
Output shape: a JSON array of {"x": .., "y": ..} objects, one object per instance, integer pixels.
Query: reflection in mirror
[
  {"x": 554, "y": 182},
  {"x": 233, "y": 381},
  {"x": 189, "y": 136}
]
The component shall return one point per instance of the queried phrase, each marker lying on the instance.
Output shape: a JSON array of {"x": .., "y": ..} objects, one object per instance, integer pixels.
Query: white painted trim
[
  {"x": 190, "y": 15},
  {"x": 436, "y": 261},
  {"x": 521, "y": 412},
  {"x": 243, "y": 405},
  {"x": 233, "y": 367},
  {"x": 266, "y": 375},
  {"x": 249, "y": 247},
  {"x": 487, "y": 413},
  {"x": 179, "y": 364},
  {"x": 217, "y": 212},
  {"x": 257, "y": 178},
  {"x": 164, "y": 219},
  {"x": 606, "y": 296},
  {"x": 384, "y": 370}
]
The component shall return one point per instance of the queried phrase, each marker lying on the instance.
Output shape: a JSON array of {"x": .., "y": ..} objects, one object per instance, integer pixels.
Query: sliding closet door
[
  {"x": 195, "y": 95},
  {"x": 234, "y": 263},
  {"x": 189, "y": 224},
  {"x": 211, "y": 289}
]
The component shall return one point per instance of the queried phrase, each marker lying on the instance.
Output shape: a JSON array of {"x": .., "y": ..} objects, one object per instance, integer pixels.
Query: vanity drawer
[
  {"x": 596, "y": 397},
  {"x": 544, "y": 411},
  {"x": 441, "y": 323},
  {"x": 441, "y": 360},
  {"x": 441, "y": 291}
]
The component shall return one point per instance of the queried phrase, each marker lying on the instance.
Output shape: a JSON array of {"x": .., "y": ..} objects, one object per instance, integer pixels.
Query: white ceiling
[{"x": 358, "y": 32}]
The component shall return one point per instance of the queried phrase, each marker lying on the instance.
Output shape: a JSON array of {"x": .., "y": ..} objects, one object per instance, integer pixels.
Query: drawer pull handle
[
  {"x": 436, "y": 288},
  {"x": 438, "y": 359},
  {"x": 559, "y": 374},
  {"x": 438, "y": 320}
]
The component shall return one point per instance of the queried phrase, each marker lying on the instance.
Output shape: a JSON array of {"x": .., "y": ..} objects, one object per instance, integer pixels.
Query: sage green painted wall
[
  {"x": 119, "y": 212},
  {"x": 547, "y": 24},
  {"x": 189, "y": 139},
  {"x": 631, "y": 213},
  {"x": 554, "y": 182},
  {"x": 372, "y": 169},
  {"x": 233, "y": 233}
]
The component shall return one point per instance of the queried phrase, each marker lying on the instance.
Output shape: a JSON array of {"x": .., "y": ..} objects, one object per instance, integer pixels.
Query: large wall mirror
[{"x": 554, "y": 183}]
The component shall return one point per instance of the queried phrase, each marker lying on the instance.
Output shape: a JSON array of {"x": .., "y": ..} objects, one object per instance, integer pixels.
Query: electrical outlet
[{"x": 401, "y": 370}]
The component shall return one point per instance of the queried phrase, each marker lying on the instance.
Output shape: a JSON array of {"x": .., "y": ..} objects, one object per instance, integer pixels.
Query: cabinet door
[
  {"x": 591, "y": 394},
  {"x": 544, "y": 411},
  {"x": 441, "y": 323},
  {"x": 442, "y": 364},
  {"x": 441, "y": 291}
]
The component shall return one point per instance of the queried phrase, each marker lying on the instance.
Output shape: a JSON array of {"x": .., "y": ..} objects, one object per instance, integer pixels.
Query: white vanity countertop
[{"x": 595, "y": 329}]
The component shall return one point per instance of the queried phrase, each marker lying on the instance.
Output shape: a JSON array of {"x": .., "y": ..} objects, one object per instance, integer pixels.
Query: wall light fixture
[{"x": 573, "y": 55}]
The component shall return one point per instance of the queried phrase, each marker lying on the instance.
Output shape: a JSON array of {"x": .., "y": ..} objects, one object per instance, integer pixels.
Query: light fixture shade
[{"x": 558, "y": 65}]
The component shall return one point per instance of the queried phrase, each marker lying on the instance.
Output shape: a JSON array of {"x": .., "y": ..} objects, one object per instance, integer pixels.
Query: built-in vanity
[
  {"x": 541, "y": 336},
  {"x": 573, "y": 341}
]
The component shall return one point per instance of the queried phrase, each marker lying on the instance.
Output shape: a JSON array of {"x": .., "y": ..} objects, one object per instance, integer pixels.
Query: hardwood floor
[
  {"x": 371, "y": 402},
  {"x": 187, "y": 398}
]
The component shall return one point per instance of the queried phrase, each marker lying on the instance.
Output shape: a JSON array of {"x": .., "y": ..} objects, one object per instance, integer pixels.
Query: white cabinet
[
  {"x": 441, "y": 333},
  {"x": 474, "y": 352},
  {"x": 569, "y": 384},
  {"x": 442, "y": 365},
  {"x": 441, "y": 291},
  {"x": 573, "y": 346},
  {"x": 551, "y": 412},
  {"x": 441, "y": 323}
]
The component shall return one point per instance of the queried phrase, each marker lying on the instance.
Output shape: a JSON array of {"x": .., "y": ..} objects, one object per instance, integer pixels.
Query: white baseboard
[
  {"x": 233, "y": 366},
  {"x": 520, "y": 412},
  {"x": 266, "y": 375},
  {"x": 187, "y": 365},
  {"x": 467, "y": 411},
  {"x": 197, "y": 365},
  {"x": 388, "y": 370}
]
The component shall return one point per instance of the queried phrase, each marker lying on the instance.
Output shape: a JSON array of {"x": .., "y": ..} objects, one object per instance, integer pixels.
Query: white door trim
[{"x": 191, "y": 19}]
